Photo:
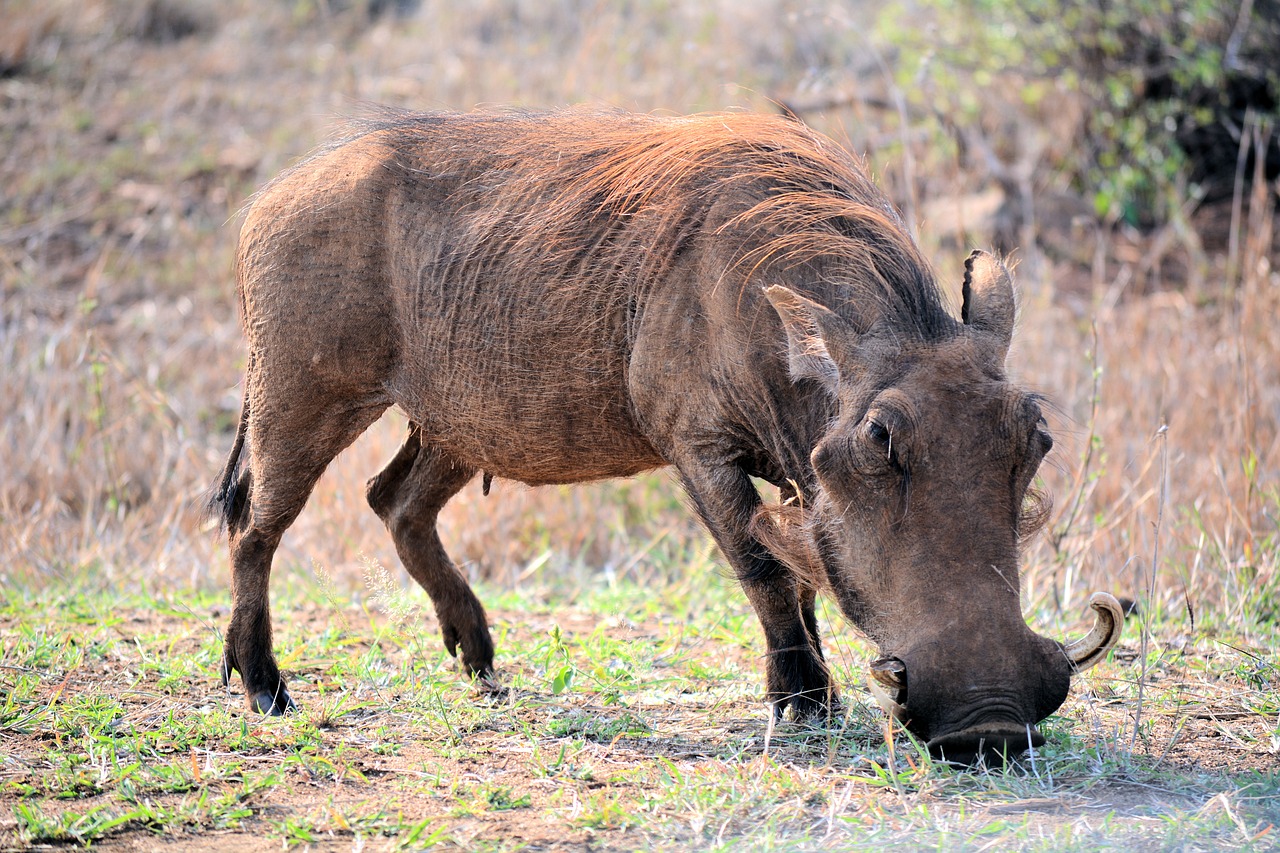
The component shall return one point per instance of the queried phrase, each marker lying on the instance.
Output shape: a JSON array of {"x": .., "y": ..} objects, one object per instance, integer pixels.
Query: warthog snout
[{"x": 987, "y": 718}]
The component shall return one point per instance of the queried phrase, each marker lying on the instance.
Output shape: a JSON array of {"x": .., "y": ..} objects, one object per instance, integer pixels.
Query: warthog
[{"x": 567, "y": 296}]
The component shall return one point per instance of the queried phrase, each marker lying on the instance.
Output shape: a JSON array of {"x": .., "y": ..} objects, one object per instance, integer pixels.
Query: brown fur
[{"x": 565, "y": 296}]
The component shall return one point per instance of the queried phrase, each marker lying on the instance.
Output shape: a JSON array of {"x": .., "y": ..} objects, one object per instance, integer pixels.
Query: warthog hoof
[
  {"x": 466, "y": 630},
  {"x": 798, "y": 680},
  {"x": 271, "y": 703},
  {"x": 806, "y": 708},
  {"x": 488, "y": 688}
]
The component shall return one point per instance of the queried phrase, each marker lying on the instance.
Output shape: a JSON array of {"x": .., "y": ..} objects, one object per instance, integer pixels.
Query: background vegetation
[{"x": 1126, "y": 154}]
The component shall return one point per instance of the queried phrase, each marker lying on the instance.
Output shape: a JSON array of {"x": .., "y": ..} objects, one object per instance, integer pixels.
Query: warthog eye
[
  {"x": 882, "y": 439},
  {"x": 1042, "y": 434},
  {"x": 1046, "y": 441},
  {"x": 878, "y": 432}
]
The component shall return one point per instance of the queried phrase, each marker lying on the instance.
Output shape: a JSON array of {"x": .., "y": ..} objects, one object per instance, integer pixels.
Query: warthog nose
[{"x": 996, "y": 742}]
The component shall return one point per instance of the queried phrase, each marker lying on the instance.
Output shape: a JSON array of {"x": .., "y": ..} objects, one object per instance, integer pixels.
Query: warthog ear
[
  {"x": 818, "y": 340},
  {"x": 989, "y": 306}
]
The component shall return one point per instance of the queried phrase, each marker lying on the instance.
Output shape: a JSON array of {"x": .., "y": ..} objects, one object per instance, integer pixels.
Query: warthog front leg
[
  {"x": 408, "y": 495},
  {"x": 796, "y": 675}
]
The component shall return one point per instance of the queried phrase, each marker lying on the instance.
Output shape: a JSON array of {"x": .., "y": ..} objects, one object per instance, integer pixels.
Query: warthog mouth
[{"x": 995, "y": 742}]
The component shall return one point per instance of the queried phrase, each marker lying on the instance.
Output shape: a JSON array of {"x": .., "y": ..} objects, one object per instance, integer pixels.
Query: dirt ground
[{"x": 687, "y": 722}]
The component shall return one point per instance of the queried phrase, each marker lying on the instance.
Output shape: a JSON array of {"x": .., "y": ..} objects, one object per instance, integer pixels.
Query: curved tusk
[
  {"x": 887, "y": 699},
  {"x": 887, "y": 681},
  {"x": 890, "y": 672},
  {"x": 1093, "y": 647}
]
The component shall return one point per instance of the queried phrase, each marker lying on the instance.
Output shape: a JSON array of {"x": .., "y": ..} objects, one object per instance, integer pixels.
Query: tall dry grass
[{"x": 125, "y": 151}]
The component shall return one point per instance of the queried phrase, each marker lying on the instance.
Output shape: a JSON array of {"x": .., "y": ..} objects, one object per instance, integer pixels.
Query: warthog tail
[{"x": 225, "y": 505}]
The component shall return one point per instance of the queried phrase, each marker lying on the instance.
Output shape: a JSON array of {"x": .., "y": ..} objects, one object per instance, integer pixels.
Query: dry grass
[
  {"x": 125, "y": 151},
  {"x": 128, "y": 156}
]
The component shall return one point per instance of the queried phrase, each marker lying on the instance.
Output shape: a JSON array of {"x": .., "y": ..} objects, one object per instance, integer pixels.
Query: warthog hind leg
[
  {"x": 285, "y": 462},
  {"x": 408, "y": 495}
]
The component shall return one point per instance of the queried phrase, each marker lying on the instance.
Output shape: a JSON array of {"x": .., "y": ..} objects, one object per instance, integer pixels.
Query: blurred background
[{"x": 1125, "y": 154}]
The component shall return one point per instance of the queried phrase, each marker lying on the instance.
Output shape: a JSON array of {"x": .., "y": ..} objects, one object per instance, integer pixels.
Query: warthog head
[{"x": 922, "y": 496}]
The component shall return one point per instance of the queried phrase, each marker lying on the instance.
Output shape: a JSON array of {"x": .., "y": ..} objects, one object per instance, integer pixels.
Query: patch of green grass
[
  {"x": 78, "y": 827},
  {"x": 621, "y": 721},
  {"x": 596, "y": 725}
]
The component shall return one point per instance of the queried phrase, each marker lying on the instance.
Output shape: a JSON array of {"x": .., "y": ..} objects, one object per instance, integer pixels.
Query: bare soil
[{"x": 689, "y": 723}]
